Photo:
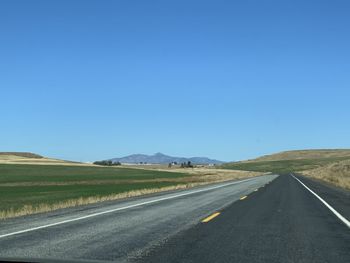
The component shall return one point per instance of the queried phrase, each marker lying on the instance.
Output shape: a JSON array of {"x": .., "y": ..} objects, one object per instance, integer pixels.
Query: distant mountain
[{"x": 159, "y": 158}]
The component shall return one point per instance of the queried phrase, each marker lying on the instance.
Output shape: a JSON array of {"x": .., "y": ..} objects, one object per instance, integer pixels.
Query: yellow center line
[
  {"x": 243, "y": 197},
  {"x": 205, "y": 220}
]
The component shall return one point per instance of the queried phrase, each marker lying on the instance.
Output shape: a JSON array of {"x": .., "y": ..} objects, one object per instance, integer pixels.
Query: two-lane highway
[
  {"x": 283, "y": 222},
  {"x": 122, "y": 230},
  {"x": 264, "y": 219}
]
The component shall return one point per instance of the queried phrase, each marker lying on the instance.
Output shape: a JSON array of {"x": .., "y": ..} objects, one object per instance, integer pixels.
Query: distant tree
[
  {"x": 107, "y": 163},
  {"x": 186, "y": 165},
  {"x": 169, "y": 165}
]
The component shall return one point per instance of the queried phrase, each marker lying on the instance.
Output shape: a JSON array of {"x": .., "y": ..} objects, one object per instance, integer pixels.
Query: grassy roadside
[
  {"x": 332, "y": 166},
  {"x": 337, "y": 173},
  {"x": 27, "y": 189},
  {"x": 283, "y": 166}
]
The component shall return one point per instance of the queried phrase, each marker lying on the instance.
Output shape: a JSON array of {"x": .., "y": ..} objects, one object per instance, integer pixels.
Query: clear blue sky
[{"x": 87, "y": 80}]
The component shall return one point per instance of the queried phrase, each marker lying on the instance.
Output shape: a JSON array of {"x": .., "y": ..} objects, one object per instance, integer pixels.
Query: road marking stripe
[
  {"x": 343, "y": 219},
  {"x": 122, "y": 208},
  {"x": 243, "y": 197},
  {"x": 206, "y": 220}
]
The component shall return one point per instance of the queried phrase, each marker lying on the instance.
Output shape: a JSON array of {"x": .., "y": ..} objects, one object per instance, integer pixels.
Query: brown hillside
[
  {"x": 22, "y": 154},
  {"x": 306, "y": 154}
]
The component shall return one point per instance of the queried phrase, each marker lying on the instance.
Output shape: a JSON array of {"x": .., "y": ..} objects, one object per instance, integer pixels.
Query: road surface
[
  {"x": 120, "y": 230},
  {"x": 283, "y": 222},
  {"x": 280, "y": 222}
]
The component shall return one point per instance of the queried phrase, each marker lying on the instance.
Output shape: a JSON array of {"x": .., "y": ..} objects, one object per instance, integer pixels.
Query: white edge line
[
  {"x": 343, "y": 219},
  {"x": 122, "y": 208}
]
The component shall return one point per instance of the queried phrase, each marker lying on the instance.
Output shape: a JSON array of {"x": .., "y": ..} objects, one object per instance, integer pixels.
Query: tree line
[
  {"x": 107, "y": 163},
  {"x": 182, "y": 165}
]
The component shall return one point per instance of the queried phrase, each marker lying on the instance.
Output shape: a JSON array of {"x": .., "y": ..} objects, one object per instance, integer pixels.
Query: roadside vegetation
[
  {"x": 283, "y": 166},
  {"x": 27, "y": 189},
  {"x": 332, "y": 166},
  {"x": 337, "y": 173}
]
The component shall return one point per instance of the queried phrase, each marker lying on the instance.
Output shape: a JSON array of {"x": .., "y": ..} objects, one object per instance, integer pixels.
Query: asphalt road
[
  {"x": 336, "y": 197},
  {"x": 122, "y": 230},
  {"x": 282, "y": 222}
]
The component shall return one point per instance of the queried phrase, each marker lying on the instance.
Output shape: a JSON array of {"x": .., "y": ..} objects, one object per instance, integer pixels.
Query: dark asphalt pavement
[
  {"x": 282, "y": 222},
  {"x": 335, "y": 196}
]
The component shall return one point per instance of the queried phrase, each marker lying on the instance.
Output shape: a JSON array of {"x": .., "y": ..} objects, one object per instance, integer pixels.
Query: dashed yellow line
[
  {"x": 243, "y": 197},
  {"x": 206, "y": 220}
]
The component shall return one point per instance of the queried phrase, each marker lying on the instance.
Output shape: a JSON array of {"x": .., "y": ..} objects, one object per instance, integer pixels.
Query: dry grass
[
  {"x": 203, "y": 173},
  {"x": 199, "y": 176},
  {"x": 22, "y": 154},
  {"x": 29, "y": 209},
  {"x": 305, "y": 154},
  {"x": 336, "y": 173},
  {"x": 206, "y": 174},
  {"x": 330, "y": 165},
  {"x": 18, "y": 159}
]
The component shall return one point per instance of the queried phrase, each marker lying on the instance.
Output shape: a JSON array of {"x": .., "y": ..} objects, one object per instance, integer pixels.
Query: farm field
[
  {"x": 27, "y": 189},
  {"x": 33, "y": 188}
]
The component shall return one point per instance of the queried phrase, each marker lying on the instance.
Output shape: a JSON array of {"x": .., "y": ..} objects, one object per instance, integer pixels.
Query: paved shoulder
[
  {"x": 282, "y": 222},
  {"x": 336, "y": 197}
]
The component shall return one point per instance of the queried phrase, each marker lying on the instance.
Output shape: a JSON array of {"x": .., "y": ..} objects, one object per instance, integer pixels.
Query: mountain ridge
[{"x": 160, "y": 158}]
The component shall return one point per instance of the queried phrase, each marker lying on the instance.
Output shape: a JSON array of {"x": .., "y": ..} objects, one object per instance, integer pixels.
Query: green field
[
  {"x": 283, "y": 166},
  {"x": 33, "y": 185}
]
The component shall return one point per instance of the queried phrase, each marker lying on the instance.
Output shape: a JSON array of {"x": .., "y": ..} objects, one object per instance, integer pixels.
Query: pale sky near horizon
[{"x": 230, "y": 80}]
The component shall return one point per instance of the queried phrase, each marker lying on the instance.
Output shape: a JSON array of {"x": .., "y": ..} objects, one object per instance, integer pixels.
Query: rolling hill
[
  {"x": 32, "y": 158},
  {"x": 291, "y": 161},
  {"x": 305, "y": 154},
  {"x": 21, "y": 154},
  {"x": 330, "y": 165}
]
